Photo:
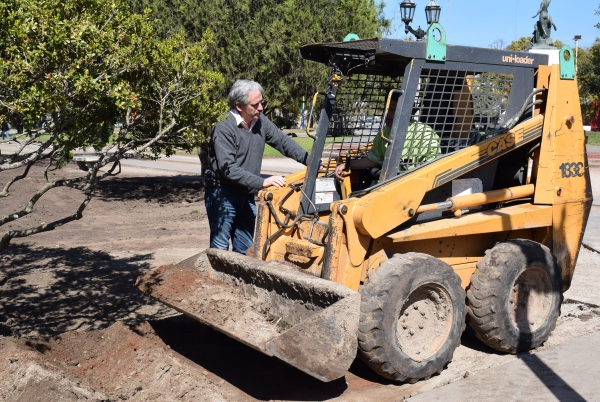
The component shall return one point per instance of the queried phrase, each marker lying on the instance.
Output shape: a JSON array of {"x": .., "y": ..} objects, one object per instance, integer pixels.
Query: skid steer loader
[{"x": 481, "y": 221}]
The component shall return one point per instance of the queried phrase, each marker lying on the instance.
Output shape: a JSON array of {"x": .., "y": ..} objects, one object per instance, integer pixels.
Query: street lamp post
[
  {"x": 576, "y": 38},
  {"x": 302, "y": 121},
  {"x": 407, "y": 12}
]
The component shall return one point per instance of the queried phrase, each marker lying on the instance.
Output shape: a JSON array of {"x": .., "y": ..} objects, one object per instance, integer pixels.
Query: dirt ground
[{"x": 73, "y": 328}]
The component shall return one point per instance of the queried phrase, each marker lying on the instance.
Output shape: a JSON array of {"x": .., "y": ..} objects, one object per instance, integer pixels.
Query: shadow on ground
[
  {"x": 259, "y": 376},
  {"x": 469, "y": 339},
  {"x": 50, "y": 291},
  {"x": 160, "y": 189}
]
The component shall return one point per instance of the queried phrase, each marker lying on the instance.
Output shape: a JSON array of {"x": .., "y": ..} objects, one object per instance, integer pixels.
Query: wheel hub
[
  {"x": 531, "y": 299},
  {"x": 424, "y": 322}
]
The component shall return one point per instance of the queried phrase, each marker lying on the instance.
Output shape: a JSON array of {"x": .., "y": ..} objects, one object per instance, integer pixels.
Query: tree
[
  {"x": 260, "y": 40},
  {"x": 498, "y": 44},
  {"x": 83, "y": 65},
  {"x": 588, "y": 77},
  {"x": 519, "y": 45},
  {"x": 522, "y": 44}
]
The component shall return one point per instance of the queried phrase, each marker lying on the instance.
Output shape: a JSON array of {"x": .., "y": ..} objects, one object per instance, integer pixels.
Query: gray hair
[{"x": 240, "y": 90}]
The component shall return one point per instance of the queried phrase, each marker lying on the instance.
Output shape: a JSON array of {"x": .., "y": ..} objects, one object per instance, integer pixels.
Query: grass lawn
[
  {"x": 593, "y": 137},
  {"x": 41, "y": 138},
  {"x": 305, "y": 142}
]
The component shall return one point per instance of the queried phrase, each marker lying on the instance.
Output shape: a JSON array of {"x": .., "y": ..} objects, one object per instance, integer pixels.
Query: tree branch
[
  {"x": 5, "y": 192},
  {"x": 73, "y": 183},
  {"x": 8, "y": 236},
  {"x": 33, "y": 156}
]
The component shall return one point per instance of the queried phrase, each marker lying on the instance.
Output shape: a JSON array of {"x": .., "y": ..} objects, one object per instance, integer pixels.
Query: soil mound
[{"x": 107, "y": 365}]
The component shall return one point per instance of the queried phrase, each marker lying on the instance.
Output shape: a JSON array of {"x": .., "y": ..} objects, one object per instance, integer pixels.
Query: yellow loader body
[{"x": 318, "y": 244}]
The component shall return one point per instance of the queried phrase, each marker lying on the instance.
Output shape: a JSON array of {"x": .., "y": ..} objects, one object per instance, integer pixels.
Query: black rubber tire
[
  {"x": 410, "y": 292},
  {"x": 515, "y": 296}
]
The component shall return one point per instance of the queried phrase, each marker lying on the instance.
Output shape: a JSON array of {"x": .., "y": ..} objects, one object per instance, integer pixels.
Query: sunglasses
[{"x": 255, "y": 105}]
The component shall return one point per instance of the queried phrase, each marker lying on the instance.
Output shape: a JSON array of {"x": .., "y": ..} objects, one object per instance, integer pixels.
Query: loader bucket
[{"x": 307, "y": 322}]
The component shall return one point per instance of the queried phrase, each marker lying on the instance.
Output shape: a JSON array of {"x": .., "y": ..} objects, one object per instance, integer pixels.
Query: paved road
[
  {"x": 191, "y": 165},
  {"x": 565, "y": 372},
  {"x": 188, "y": 164}
]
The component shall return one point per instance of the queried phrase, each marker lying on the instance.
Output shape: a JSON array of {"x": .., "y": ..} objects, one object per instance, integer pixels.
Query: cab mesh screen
[{"x": 450, "y": 111}]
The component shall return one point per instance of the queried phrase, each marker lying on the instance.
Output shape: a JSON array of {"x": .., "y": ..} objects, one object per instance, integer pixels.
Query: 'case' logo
[{"x": 501, "y": 144}]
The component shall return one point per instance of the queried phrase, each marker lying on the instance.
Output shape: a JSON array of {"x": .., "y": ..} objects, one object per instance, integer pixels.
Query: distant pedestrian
[
  {"x": 233, "y": 177},
  {"x": 5, "y": 130}
]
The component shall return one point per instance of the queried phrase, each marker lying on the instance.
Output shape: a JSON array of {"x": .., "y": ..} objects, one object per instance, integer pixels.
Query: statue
[{"x": 543, "y": 27}]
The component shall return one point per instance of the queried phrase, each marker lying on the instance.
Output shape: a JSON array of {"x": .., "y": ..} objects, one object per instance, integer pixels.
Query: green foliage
[
  {"x": 593, "y": 138},
  {"x": 260, "y": 40},
  {"x": 83, "y": 65},
  {"x": 305, "y": 142},
  {"x": 588, "y": 77},
  {"x": 90, "y": 63},
  {"x": 176, "y": 91},
  {"x": 588, "y": 74},
  {"x": 285, "y": 122},
  {"x": 522, "y": 44},
  {"x": 58, "y": 59}
]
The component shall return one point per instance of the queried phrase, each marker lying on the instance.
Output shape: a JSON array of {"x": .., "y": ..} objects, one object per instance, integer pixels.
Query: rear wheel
[
  {"x": 412, "y": 317},
  {"x": 515, "y": 296}
]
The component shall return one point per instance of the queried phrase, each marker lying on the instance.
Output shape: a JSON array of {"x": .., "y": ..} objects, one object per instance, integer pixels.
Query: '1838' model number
[{"x": 572, "y": 169}]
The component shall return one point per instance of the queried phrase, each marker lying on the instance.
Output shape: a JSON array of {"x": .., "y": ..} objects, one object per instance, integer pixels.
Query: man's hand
[
  {"x": 277, "y": 181},
  {"x": 338, "y": 171}
]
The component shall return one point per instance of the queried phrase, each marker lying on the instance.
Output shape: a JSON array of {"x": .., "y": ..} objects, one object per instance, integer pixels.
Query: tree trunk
[{"x": 203, "y": 154}]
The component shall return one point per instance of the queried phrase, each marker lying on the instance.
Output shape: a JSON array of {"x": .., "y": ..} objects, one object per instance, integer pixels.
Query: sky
[{"x": 481, "y": 23}]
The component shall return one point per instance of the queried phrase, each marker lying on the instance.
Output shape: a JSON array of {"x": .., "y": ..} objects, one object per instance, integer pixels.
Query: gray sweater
[{"x": 236, "y": 154}]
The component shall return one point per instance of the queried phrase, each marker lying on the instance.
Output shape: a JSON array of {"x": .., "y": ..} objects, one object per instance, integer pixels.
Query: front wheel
[
  {"x": 412, "y": 317},
  {"x": 515, "y": 296}
]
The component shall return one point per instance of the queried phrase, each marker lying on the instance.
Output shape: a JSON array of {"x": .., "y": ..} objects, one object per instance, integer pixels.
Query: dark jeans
[{"x": 231, "y": 215}]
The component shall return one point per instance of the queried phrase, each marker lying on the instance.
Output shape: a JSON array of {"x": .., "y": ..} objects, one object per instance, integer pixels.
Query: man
[
  {"x": 5, "y": 130},
  {"x": 421, "y": 144},
  {"x": 233, "y": 177}
]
